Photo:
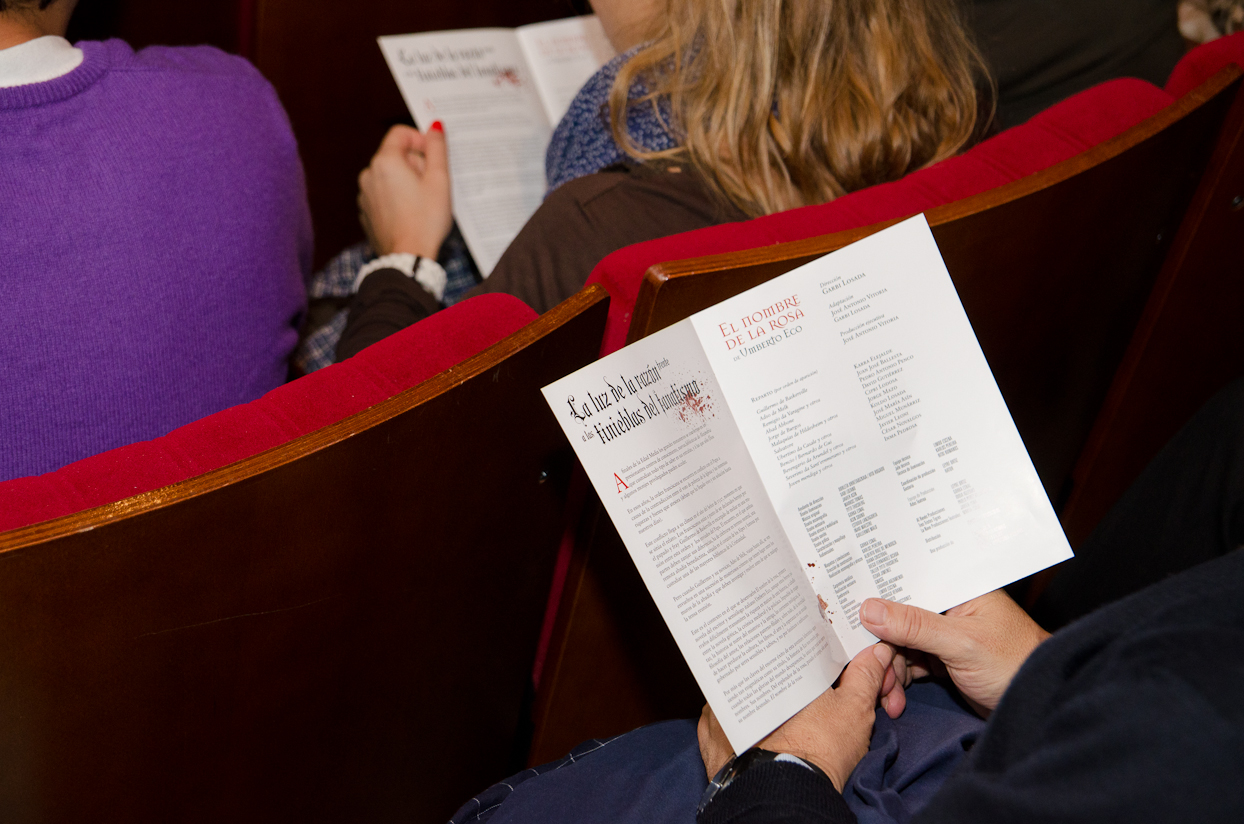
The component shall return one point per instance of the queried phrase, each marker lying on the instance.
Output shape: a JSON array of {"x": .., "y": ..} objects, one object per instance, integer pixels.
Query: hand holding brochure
[
  {"x": 500, "y": 93},
  {"x": 832, "y": 435}
]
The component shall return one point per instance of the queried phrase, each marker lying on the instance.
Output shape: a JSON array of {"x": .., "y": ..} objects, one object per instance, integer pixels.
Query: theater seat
[{"x": 322, "y": 605}]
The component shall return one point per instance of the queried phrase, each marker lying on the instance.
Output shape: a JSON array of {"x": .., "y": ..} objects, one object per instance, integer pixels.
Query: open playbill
[
  {"x": 832, "y": 435},
  {"x": 499, "y": 94}
]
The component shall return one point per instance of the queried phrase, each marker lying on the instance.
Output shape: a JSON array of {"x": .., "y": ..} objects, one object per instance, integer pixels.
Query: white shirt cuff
[{"x": 427, "y": 272}]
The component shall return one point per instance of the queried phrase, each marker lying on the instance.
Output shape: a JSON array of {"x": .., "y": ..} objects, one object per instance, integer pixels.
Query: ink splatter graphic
[
  {"x": 507, "y": 76},
  {"x": 826, "y": 612},
  {"x": 694, "y": 407}
]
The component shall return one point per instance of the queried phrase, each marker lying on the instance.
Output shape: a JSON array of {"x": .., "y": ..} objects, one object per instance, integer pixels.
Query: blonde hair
[{"x": 782, "y": 103}]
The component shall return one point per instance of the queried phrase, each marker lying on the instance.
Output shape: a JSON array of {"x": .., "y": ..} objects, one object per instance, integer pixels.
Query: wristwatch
[{"x": 738, "y": 764}]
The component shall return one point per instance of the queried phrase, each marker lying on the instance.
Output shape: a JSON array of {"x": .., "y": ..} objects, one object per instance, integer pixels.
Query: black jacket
[{"x": 1134, "y": 713}]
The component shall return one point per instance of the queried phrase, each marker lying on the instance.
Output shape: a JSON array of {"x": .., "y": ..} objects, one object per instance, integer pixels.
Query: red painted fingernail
[{"x": 437, "y": 127}]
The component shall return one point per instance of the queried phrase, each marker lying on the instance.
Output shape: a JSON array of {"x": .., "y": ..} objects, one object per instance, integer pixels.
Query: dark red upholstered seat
[{"x": 1060, "y": 132}]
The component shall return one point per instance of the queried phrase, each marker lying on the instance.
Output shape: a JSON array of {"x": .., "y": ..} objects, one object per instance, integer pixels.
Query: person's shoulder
[
  {"x": 634, "y": 186},
  {"x": 587, "y": 188},
  {"x": 204, "y": 61},
  {"x": 197, "y": 78}
]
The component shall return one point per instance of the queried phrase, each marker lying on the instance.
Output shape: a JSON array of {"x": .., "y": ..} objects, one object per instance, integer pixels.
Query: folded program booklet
[
  {"x": 832, "y": 435},
  {"x": 499, "y": 94}
]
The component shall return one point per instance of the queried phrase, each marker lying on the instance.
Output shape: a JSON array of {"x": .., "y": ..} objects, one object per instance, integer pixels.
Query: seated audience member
[
  {"x": 155, "y": 234},
  {"x": 715, "y": 112},
  {"x": 1044, "y": 51},
  {"x": 1039, "y": 51},
  {"x": 1131, "y": 711}
]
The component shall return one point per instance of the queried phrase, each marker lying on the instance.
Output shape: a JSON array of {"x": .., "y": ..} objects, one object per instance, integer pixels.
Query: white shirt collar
[{"x": 37, "y": 61}]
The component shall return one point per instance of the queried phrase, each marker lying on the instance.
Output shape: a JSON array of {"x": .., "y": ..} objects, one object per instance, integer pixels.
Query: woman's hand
[
  {"x": 980, "y": 644},
  {"x": 404, "y": 203},
  {"x": 832, "y": 732}
]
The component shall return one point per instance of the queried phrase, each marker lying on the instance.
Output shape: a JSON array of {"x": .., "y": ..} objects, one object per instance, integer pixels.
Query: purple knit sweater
[{"x": 154, "y": 245}]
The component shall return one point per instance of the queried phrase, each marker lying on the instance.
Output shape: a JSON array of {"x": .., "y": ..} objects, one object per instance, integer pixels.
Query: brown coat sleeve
[
  {"x": 387, "y": 302},
  {"x": 586, "y": 219}
]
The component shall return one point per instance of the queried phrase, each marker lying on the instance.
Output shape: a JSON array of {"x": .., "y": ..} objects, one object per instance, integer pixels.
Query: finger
[
  {"x": 418, "y": 141},
  {"x": 916, "y": 671},
  {"x": 915, "y": 665},
  {"x": 704, "y": 737},
  {"x": 893, "y": 698},
  {"x": 368, "y": 231},
  {"x": 709, "y": 727},
  {"x": 894, "y": 701},
  {"x": 414, "y": 152},
  {"x": 907, "y": 626},
  {"x": 417, "y": 161},
  {"x": 702, "y": 728},
  {"x": 396, "y": 161},
  {"x": 398, "y": 140},
  {"x": 900, "y": 667},
  {"x": 435, "y": 150},
  {"x": 714, "y": 725},
  {"x": 863, "y": 677},
  {"x": 393, "y": 171}
]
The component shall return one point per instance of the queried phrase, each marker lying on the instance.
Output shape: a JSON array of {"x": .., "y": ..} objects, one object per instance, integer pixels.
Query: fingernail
[
  {"x": 873, "y": 612},
  {"x": 884, "y": 653},
  {"x": 437, "y": 126}
]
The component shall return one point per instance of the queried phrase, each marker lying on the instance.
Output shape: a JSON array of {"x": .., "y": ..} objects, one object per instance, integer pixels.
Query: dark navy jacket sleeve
[{"x": 778, "y": 793}]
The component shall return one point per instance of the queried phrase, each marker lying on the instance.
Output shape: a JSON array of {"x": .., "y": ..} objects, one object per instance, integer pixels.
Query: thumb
[
  {"x": 435, "y": 149},
  {"x": 911, "y": 627},
  {"x": 398, "y": 140},
  {"x": 865, "y": 674}
]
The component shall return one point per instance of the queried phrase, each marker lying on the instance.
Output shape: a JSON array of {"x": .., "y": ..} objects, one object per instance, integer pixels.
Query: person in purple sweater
[{"x": 155, "y": 239}]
